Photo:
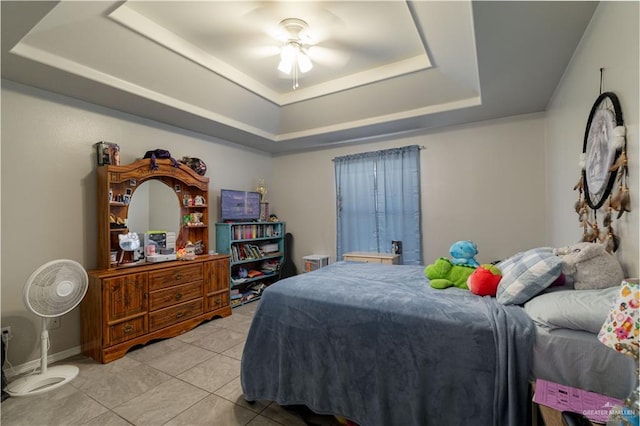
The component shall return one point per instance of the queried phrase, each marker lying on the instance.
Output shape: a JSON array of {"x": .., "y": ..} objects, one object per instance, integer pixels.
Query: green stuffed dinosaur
[{"x": 443, "y": 274}]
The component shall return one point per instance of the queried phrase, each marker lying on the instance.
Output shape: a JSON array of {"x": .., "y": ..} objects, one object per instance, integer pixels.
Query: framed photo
[
  {"x": 177, "y": 188},
  {"x": 128, "y": 192},
  {"x": 108, "y": 153}
]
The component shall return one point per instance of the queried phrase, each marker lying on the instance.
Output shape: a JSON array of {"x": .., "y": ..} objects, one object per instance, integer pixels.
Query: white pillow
[{"x": 574, "y": 309}]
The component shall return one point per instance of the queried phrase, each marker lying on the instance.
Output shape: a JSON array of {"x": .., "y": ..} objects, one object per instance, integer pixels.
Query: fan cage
[{"x": 55, "y": 288}]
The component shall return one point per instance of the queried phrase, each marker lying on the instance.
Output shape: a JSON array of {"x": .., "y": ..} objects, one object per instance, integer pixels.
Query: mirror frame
[{"x": 117, "y": 179}]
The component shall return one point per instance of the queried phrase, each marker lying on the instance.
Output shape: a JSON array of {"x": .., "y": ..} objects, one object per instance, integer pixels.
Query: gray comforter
[{"x": 376, "y": 344}]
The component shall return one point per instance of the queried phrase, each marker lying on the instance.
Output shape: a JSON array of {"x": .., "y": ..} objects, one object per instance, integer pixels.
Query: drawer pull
[
  {"x": 178, "y": 296},
  {"x": 128, "y": 328},
  {"x": 180, "y": 314},
  {"x": 178, "y": 276},
  {"x": 218, "y": 301}
]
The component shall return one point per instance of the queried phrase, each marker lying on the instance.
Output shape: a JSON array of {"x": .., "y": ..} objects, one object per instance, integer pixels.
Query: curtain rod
[{"x": 420, "y": 148}]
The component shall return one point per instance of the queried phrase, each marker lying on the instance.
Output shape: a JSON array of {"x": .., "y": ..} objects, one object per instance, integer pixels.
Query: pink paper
[{"x": 594, "y": 406}]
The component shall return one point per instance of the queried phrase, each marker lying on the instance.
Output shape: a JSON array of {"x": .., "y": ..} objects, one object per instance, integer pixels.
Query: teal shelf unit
[{"x": 252, "y": 246}]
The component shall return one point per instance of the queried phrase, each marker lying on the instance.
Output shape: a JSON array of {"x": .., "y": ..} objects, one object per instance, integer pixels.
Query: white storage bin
[{"x": 315, "y": 261}]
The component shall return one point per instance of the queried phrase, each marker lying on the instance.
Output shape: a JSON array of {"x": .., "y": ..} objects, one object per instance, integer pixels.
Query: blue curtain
[{"x": 378, "y": 201}]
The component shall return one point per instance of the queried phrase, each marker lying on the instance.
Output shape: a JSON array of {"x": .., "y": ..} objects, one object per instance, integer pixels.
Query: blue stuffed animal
[{"x": 463, "y": 252}]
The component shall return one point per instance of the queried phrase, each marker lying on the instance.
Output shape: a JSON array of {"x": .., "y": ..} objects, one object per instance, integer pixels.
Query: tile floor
[{"x": 192, "y": 379}]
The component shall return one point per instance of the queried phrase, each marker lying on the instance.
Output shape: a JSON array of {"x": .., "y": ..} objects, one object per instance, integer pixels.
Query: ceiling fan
[{"x": 300, "y": 44}]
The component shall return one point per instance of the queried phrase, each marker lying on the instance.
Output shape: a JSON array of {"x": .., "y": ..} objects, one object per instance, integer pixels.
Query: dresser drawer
[
  {"x": 175, "y": 314},
  {"x": 176, "y": 294},
  {"x": 175, "y": 276},
  {"x": 126, "y": 330},
  {"x": 216, "y": 301}
]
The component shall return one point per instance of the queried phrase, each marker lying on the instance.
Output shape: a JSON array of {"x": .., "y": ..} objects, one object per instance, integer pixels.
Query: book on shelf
[
  {"x": 246, "y": 252},
  {"x": 269, "y": 247},
  {"x": 252, "y": 231}
]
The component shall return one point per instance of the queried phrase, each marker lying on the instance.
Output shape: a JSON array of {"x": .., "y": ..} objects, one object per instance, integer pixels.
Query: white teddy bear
[{"x": 590, "y": 266}]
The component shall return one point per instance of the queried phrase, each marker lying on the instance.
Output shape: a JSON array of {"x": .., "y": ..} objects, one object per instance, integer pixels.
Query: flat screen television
[{"x": 239, "y": 206}]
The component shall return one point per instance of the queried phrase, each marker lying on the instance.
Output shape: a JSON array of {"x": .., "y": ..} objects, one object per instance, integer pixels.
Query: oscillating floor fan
[{"x": 51, "y": 291}]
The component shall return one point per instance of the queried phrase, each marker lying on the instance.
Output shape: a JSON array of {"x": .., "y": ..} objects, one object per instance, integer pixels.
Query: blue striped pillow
[{"x": 526, "y": 274}]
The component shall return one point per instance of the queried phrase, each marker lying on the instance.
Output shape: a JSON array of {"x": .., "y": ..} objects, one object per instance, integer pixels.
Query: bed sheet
[{"x": 577, "y": 359}]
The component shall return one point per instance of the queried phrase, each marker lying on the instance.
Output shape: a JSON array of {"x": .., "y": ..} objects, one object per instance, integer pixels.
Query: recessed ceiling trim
[
  {"x": 396, "y": 69},
  {"x": 77, "y": 50},
  {"x": 38, "y": 55},
  {"x": 433, "y": 109},
  {"x": 142, "y": 25},
  {"x": 55, "y": 61},
  {"x": 137, "y": 22}
]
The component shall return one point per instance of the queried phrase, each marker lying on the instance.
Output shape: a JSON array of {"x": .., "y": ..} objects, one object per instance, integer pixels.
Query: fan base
[{"x": 36, "y": 384}]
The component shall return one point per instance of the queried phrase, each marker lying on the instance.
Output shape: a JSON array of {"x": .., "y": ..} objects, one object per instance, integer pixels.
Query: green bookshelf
[{"x": 256, "y": 251}]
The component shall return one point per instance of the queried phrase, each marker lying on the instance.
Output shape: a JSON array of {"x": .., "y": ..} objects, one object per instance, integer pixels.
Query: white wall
[
  {"x": 49, "y": 180},
  {"x": 483, "y": 182},
  {"x": 612, "y": 42}
]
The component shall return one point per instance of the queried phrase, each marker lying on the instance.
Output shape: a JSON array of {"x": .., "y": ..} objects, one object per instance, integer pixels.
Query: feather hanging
[
  {"x": 620, "y": 162},
  {"x": 579, "y": 186},
  {"x": 615, "y": 200},
  {"x": 606, "y": 220},
  {"x": 611, "y": 241},
  {"x": 584, "y": 217},
  {"x": 625, "y": 202},
  {"x": 591, "y": 233}
]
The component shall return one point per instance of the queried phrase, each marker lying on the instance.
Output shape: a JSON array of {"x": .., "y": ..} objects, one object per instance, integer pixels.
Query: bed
[
  {"x": 567, "y": 350},
  {"x": 377, "y": 345}
]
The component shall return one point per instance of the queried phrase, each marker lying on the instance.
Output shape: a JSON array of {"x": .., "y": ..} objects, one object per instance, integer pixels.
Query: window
[{"x": 378, "y": 201}]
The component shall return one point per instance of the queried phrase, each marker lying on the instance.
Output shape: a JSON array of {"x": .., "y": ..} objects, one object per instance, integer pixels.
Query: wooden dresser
[
  {"x": 363, "y": 256},
  {"x": 131, "y": 306}
]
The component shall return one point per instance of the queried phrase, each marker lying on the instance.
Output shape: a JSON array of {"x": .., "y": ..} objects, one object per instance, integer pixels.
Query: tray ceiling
[{"x": 380, "y": 67}]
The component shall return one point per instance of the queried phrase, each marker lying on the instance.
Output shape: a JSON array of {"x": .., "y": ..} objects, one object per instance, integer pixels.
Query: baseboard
[{"x": 28, "y": 367}]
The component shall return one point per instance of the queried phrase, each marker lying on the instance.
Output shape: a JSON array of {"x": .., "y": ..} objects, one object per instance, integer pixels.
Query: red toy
[{"x": 484, "y": 280}]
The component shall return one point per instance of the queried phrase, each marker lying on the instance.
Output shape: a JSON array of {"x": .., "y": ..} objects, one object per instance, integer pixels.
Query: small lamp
[{"x": 620, "y": 332}]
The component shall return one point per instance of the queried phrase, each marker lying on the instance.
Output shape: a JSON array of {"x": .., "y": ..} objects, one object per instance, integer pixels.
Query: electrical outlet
[
  {"x": 6, "y": 333},
  {"x": 54, "y": 323}
]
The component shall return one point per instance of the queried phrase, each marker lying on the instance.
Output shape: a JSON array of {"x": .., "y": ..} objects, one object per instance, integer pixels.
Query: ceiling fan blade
[
  {"x": 327, "y": 56},
  {"x": 266, "y": 15},
  {"x": 264, "y": 51},
  {"x": 323, "y": 25}
]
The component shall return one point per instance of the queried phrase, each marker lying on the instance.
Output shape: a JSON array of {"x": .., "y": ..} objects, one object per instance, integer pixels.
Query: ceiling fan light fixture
[
  {"x": 285, "y": 66},
  {"x": 304, "y": 63},
  {"x": 293, "y": 57},
  {"x": 288, "y": 57}
]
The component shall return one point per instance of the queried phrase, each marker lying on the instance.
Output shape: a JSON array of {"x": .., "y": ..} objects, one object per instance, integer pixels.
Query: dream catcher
[{"x": 603, "y": 162}]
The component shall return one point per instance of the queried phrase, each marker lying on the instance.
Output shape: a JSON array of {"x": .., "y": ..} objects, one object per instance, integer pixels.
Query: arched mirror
[
  {"x": 140, "y": 197},
  {"x": 154, "y": 206}
]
